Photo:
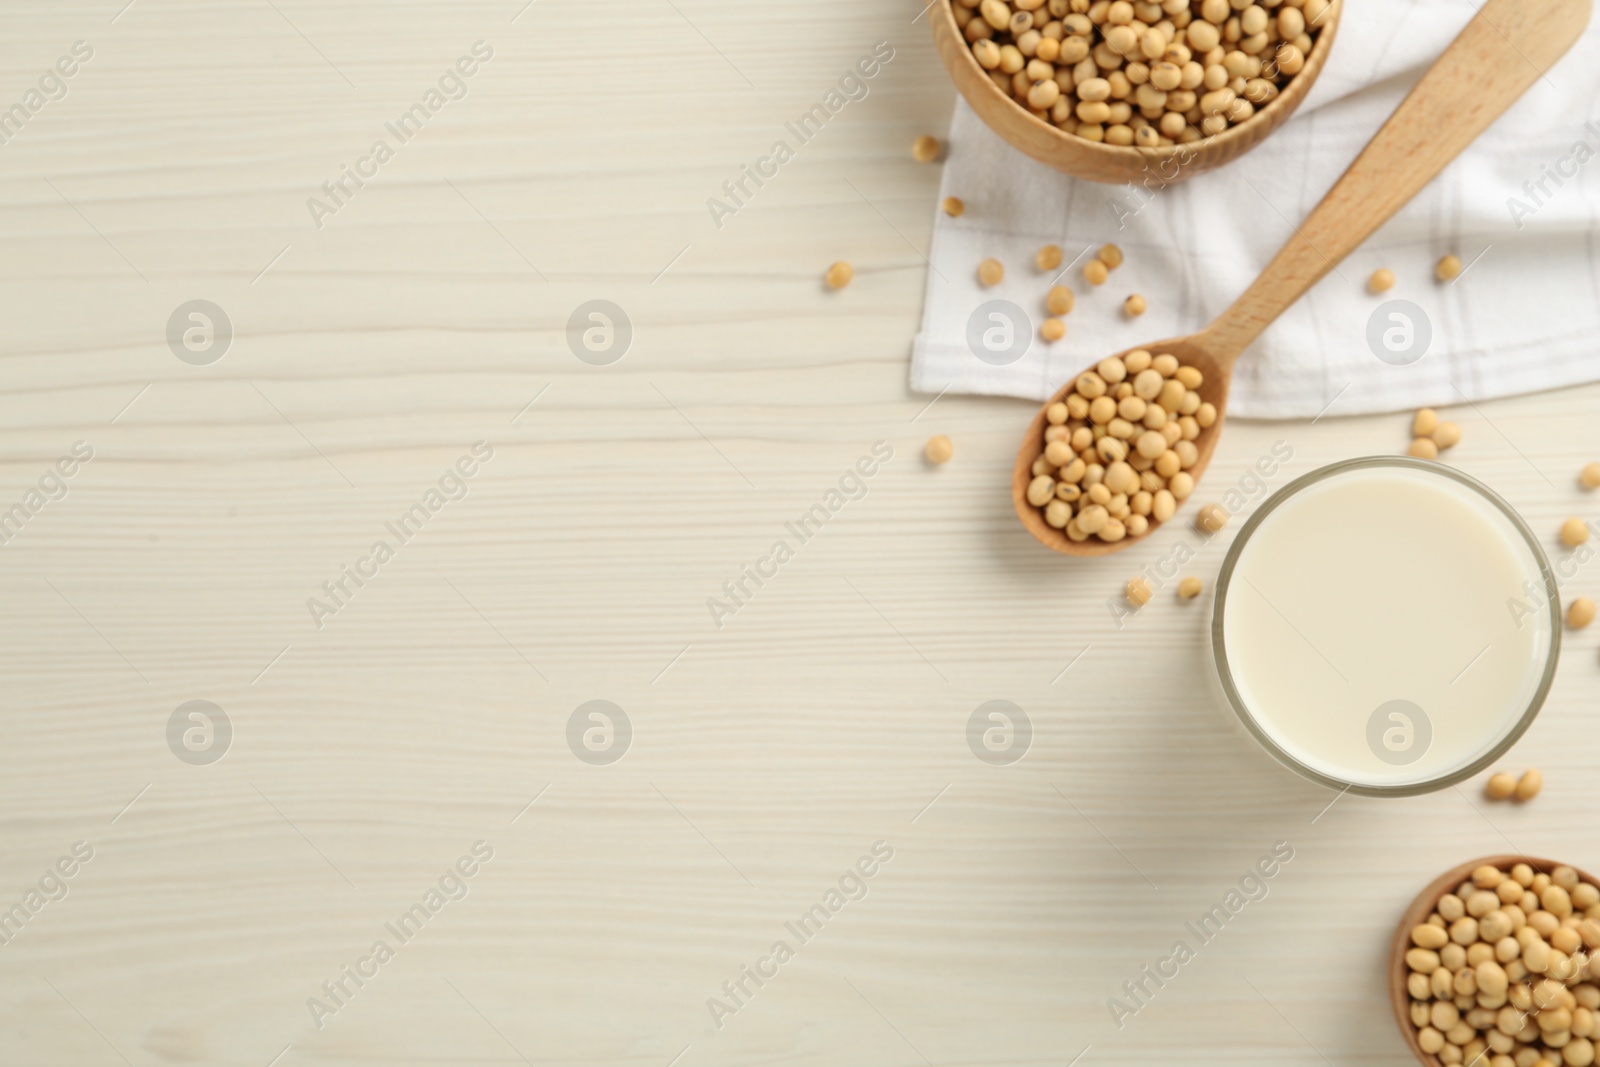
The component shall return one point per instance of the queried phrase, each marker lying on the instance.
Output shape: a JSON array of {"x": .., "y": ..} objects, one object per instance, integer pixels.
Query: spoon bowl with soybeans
[{"x": 1469, "y": 87}]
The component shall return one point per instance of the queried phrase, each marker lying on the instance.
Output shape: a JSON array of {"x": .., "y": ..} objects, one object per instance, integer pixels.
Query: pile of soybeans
[
  {"x": 1118, "y": 448},
  {"x": 1143, "y": 73},
  {"x": 1504, "y": 972}
]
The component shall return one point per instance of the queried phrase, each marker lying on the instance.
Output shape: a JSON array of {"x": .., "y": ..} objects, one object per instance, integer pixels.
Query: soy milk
[{"x": 1374, "y": 625}]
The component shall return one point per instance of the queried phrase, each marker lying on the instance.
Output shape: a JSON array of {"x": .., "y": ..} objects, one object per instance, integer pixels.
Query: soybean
[
  {"x": 1212, "y": 518},
  {"x": 1423, "y": 448}
]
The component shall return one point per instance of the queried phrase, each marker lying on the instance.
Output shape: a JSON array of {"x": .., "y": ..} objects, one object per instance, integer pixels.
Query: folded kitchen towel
[{"x": 1521, "y": 208}]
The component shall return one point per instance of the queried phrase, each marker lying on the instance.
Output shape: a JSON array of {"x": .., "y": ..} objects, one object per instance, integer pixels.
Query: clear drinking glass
[{"x": 1314, "y": 733}]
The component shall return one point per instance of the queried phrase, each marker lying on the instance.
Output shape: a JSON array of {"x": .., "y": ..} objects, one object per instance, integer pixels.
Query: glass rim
[{"x": 1235, "y": 701}]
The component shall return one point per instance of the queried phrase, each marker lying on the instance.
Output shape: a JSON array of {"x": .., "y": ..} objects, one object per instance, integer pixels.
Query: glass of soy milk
[{"x": 1386, "y": 625}]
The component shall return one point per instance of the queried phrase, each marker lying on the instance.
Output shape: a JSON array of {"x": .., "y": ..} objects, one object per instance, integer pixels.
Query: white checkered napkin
[{"x": 1521, "y": 208}]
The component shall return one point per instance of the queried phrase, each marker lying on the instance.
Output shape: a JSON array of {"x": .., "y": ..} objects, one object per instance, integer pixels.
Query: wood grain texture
[{"x": 829, "y": 713}]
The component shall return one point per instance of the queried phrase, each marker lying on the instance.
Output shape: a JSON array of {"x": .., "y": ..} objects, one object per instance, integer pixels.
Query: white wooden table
[{"x": 430, "y": 710}]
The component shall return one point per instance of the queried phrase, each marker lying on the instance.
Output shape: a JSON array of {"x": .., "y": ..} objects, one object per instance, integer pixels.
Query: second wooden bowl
[
  {"x": 1098, "y": 162},
  {"x": 1417, "y": 914}
]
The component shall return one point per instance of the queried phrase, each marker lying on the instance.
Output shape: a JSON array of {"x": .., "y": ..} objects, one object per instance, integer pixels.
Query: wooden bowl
[
  {"x": 1098, "y": 162},
  {"x": 1417, "y": 914}
]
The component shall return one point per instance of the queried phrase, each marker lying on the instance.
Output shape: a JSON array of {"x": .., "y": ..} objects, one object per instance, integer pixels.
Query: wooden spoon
[{"x": 1506, "y": 47}]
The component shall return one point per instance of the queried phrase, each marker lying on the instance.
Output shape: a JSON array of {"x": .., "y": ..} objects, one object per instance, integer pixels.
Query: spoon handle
[{"x": 1506, "y": 47}]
